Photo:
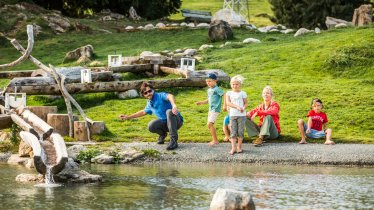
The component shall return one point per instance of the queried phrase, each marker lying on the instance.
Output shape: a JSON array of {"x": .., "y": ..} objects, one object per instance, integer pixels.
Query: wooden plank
[
  {"x": 13, "y": 74},
  {"x": 115, "y": 86},
  {"x": 132, "y": 68}
]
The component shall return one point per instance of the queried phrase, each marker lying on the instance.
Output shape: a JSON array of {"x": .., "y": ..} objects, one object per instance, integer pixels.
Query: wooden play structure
[{"x": 43, "y": 128}]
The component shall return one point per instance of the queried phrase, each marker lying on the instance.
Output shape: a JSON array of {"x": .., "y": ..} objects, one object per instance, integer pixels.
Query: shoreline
[{"x": 270, "y": 153}]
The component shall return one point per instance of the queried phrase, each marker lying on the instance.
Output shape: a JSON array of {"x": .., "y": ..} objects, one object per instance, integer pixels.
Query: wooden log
[
  {"x": 178, "y": 72},
  {"x": 80, "y": 131},
  {"x": 37, "y": 123},
  {"x": 60, "y": 123},
  {"x": 132, "y": 68},
  {"x": 115, "y": 86},
  {"x": 97, "y": 127},
  {"x": 43, "y": 111},
  {"x": 46, "y": 81},
  {"x": 5, "y": 121},
  {"x": 23, "y": 124},
  {"x": 13, "y": 74},
  {"x": 33, "y": 141},
  {"x": 61, "y": 153}
]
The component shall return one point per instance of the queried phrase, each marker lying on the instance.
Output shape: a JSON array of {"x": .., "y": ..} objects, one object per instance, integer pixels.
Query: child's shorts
[
  {"x": 226, "y": 120},
  {"x": 212, "y": 116},
  {"x": 314, "y": 134},
  {"x": 237, "y": 126}
]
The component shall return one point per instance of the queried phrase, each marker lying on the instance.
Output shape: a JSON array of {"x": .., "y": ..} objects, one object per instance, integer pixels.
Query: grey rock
[
  {"x": 57, "y": 23},
  {"x": 24, "y": 150},
  {"x": 27, "y": 178},
  {"x": 178, "y": 51},
  {"x": 191, "y": 25},
  {"x": 341, "y": 25},
  {"x": 117, "y": 16},
  {"x": 202, "y": 25},
  {"x": 229, "y": 16},
  {"x": 160, "y": 25},
  {"x": 129, "y": 28},
  {"x": 220, "y": 30},
  {"x": 17, "y": 160},
  {"x": 149, "y": 27},
  {"x": 5, "y": 156},
  {"x": 287, "y": 31},
  {"x": 103, "y": 159},
  {"x": 84, "y": 52},
  {"x": 76, "y": 176},
  {"x": 73, "y": 151},
  {"x": 128, "y": 94},
  {"x": 106, "y": 18},
  {"x": 205, "y": 46},
  {"x": 317, "y": 30},
  {"x": 190, "y": 52},
  {"x": 332, "y": 22},
  {"x": 302, "y": 31},
  {"x": 183, "y": 24},
  {"x": 228, "y": 199},
  {"x": 251, "y": 40}
]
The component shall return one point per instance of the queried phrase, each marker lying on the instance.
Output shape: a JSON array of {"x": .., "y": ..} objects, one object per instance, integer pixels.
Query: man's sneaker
[
  {"x": 161, "y": 139},
  {"x": 258, "y": 142},
  {"x": 173, "y": 144}
]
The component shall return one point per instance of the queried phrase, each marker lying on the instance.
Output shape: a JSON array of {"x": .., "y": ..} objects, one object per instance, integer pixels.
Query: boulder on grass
[
  {"x": 82, "y": 52},
  {"x": 220, "y": 30},
  {"x": 363, "y": 15}
]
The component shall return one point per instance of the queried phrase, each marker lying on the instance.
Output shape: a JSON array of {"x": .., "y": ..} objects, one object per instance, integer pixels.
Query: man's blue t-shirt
[{"x": 158, "y": 106}]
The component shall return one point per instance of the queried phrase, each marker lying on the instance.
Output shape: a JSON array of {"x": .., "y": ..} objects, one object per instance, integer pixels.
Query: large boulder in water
[
  {"x": 220, "y": 30},
  {"x": 227, "y": 199}
]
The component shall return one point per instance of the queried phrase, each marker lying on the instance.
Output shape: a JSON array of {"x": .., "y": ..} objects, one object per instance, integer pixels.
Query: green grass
[
  {"x": 255, "y": 7},
  {"x": 336, "y": 66}
]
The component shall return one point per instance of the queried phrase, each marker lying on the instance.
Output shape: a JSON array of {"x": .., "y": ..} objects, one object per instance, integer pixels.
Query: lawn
[
  {"x": 336, "y": 66},
  {"x": 255, "y": 7}
]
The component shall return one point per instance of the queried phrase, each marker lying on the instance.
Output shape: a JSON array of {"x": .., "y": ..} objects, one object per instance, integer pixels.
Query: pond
[{"x": 180, "y": 186}]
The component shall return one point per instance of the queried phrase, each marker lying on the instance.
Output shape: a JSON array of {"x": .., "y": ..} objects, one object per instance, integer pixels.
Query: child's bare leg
[
  {"x": 328, "y": 136},
  {"x": 239, "y": 148},
  {"x": 233, "y": 144},
  {"x": 226, "y": 131},
  {"x": 212, "y": 130},
  {"x": 300, "y": 126}
]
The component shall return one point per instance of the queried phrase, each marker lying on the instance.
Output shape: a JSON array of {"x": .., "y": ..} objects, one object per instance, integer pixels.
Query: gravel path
[{"x": 270, "y": 153}]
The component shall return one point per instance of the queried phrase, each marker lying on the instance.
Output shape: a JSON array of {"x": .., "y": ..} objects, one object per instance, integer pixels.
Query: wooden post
[
  {"x": 80, "y": 131},
  {"x": 43, "y": 111},
  {"x": 60, "y": 123},
  {"x": 97, "y": 127},
  {"x": 5, "y": 121}
]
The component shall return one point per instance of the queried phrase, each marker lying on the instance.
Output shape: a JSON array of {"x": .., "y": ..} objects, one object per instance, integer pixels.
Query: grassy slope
[{"x": 255, "y": 7}]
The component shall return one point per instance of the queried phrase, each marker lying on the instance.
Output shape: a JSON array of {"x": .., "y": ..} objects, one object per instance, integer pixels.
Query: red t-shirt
[{"x": 318, "y": 119}]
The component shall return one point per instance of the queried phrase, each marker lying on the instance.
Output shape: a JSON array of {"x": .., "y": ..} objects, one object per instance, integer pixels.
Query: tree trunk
[
  {"x": 13, "y": 74},
  {"x": 38, "y": 124},
  {"x": 116, "y": 86},
  {"x": 132, "y": 68},
  {"x": 43, "y": 111},
  {"x": 178, "y": 72},
  {"x": 80, "y": 131},
  {"x": 60, "y": 123},
  {"x": 23, "y": 124}
]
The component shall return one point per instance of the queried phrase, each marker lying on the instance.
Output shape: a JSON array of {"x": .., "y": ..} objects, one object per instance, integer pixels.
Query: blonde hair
[
  {"x": 237, "y": 78},
  {"x": 268, "y": 88}
]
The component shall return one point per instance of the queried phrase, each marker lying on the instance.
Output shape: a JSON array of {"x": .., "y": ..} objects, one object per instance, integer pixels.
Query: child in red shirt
[{"x": 317, "y": 124}]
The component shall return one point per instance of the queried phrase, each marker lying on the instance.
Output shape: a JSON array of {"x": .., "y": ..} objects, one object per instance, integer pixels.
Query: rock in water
[{"x": 227, "y": 199}]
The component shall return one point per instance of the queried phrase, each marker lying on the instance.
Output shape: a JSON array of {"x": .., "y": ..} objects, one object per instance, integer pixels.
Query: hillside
[{"x": 336, "y": 66}]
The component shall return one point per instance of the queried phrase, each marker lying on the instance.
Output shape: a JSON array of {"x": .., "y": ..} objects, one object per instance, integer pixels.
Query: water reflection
[{"x": 176, "y": 186}]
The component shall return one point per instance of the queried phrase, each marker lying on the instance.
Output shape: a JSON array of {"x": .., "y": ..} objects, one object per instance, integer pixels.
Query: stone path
[{"x": 270, "y": 153}]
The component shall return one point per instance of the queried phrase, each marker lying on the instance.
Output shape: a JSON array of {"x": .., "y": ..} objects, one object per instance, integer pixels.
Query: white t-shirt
[{"x": 237, "y": 99}]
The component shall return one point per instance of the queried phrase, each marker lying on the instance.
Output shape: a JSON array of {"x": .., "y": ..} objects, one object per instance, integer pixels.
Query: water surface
[{"x": 176, "y": 186}]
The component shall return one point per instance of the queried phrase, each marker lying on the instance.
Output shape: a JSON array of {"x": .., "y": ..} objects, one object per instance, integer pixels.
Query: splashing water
[{"x": 48, "y": 177}]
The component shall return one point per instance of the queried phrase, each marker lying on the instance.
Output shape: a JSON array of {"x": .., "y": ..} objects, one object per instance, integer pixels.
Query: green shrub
[
  {"x": 339, "y": 63},
  {"x": 86, "y": 155},
  {"x": 14, "y": 137},
  {"x": 312, "y": 13}
]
